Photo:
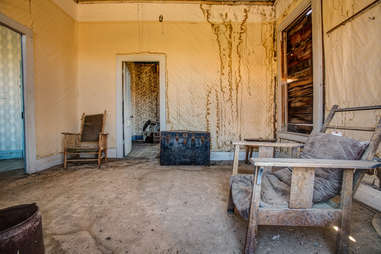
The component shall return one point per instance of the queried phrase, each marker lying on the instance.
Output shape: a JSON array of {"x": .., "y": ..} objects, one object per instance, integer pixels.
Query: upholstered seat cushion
[{"x": 275, "y": 191}]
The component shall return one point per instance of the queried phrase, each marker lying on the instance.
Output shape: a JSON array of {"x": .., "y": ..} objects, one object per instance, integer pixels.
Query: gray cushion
[
  {"x": 275, "y": 191},
  {"x": 328, "y": 146}
]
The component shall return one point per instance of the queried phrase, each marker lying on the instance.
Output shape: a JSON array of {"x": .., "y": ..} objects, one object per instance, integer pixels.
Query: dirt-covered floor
[{"x": 137, "y": 206}]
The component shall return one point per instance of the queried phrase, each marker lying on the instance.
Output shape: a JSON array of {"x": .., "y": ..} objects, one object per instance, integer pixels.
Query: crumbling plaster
[
  {"x": 219, "y": 71},
  {"x": 220, "y": 64}
]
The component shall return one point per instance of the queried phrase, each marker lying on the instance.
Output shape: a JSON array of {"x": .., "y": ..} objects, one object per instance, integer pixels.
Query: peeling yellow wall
[
  {"x": 55, "y": 68},
  {"x": 352, "y": 58},
  {"x": 353, "y": 62},
  {"x": 219, "y": 72}
]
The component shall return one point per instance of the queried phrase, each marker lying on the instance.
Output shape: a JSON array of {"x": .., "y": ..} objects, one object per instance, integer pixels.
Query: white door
[{"x": 127, "y": 110}]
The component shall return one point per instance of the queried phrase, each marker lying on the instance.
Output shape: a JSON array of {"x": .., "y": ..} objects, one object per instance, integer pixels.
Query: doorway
[
  {"x": 141, "y": 109},
  {"x": 124, "y": 110},
  {"x": 12, "y": 144}
]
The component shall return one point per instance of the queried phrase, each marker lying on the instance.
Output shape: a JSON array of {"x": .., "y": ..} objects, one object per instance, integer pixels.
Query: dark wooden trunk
[{"x": 185, "y": 148}]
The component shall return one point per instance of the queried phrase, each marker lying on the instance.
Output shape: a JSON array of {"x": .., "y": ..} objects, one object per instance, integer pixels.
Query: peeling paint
[{"x": 229, "y": 29}]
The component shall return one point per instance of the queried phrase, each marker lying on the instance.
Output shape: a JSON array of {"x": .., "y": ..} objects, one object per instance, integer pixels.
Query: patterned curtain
[{"x": 11, "y": 123}]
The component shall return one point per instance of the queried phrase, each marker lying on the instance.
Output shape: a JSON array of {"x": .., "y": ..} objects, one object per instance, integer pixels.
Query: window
[
  {"x": 300, "y": 77},
  {"x": 298, "y": 74}
]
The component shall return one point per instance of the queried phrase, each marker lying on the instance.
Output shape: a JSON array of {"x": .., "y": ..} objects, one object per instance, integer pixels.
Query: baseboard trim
[
  {"x": 54, "y": 160},
  {"x": 45, "y": 163}
]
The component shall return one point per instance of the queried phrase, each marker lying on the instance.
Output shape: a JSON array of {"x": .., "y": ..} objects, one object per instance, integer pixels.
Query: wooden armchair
[
  {"x": 90, "y": 142},
  {"x": 300, "y": 209}
]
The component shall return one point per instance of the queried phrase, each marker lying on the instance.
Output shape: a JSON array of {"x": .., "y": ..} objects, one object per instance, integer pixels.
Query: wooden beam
[
  {"x": 302, "y": 187},
  {"x": 351, "y": 128},
  {"x": 359, "y": 108},
  {"x": 329, "y": 118},
  {"x": 314, "y": 163},
  {"x": 298, "y": 217}
]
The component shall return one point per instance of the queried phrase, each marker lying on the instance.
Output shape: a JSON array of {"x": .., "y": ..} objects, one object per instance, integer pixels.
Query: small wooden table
[{"x": 265, "y": 150}]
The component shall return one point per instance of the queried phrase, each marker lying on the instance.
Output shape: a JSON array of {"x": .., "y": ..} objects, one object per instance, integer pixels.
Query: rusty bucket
[{"x": 21, "y": 230}]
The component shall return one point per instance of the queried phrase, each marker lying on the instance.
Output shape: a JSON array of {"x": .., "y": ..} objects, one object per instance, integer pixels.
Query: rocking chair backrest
[
  {"x": 374, "y": 142},
  {"x": 92, "y": 126}
]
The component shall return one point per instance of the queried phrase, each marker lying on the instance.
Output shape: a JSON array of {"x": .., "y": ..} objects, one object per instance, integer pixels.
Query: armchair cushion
[
  {"x": 275, "y": 191},
  {"x": 328, "y": 146}
]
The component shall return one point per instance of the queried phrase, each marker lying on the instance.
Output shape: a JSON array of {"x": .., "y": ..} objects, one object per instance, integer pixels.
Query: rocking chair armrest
[
  {"x": 314, "y": 163},
  {"x": 268, "y": 144},
  {"x": 103, "y": 140},
  {"x": 70, "y": 133}
]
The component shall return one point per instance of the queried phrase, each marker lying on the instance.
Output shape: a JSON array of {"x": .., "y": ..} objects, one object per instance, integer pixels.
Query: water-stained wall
[
  {"x": 225, "y": 101},
  {"x": 219, "y": 70}
]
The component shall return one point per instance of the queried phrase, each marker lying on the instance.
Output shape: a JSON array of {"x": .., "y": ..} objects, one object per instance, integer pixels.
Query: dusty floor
[
  {"x": 137, "y": 206},
  {"x": 144, "y": 150}
]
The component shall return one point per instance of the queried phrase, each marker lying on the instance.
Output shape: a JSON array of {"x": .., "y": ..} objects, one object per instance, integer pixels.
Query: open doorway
[
  {"x": 141, "y": 109},
  {"x": 12, "y": 145}
]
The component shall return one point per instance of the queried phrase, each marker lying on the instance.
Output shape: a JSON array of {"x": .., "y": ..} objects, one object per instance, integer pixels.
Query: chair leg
[
  {"x": 99, "y": 158},
  {"x": 251, "y": 152},
  {"x": 65, "y": 159},
  {"x": 230, "y": 202},
  {"x": 346, "y": 207},
  {"x": 105, "y": 151},
  {"x": 247, "y": 155},
  {"x": 252, "y": 228}
]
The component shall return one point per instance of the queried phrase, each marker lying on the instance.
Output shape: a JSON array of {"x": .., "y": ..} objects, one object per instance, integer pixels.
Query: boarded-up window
[{"x": 297, "y": 72}]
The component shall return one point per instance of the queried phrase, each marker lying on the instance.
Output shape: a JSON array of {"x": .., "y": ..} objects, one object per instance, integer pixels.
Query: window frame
[{"x": 318, "y": 71}]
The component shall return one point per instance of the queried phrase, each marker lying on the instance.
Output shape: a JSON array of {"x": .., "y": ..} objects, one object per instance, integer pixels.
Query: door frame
[
  {"x": 143, "y": 57},
  {"x": 31, "y": 163}
]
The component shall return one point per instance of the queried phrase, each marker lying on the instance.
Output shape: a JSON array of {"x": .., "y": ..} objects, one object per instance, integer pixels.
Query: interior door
[{"x": 127, "y": 110}]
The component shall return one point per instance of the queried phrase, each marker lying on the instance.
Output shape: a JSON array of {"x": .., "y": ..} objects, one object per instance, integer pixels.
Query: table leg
[
  {"x": 247, "y": 155},
  {"x": 235, "y": 161}
]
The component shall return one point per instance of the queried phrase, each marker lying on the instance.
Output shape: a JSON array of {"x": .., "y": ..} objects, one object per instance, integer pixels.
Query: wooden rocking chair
[
  {"x": 91, "y": 141},
  {"x": 300, "y": 210}
]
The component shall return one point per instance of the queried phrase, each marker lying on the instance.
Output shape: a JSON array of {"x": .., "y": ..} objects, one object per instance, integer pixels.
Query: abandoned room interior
[{"x": 190, "y": 126}]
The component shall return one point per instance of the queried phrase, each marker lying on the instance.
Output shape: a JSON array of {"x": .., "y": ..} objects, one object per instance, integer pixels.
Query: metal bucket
[{"x": 21, "y": 230}]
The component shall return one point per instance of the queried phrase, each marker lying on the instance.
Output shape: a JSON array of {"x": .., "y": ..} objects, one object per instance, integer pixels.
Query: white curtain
[{"x": 11, "y": 123}]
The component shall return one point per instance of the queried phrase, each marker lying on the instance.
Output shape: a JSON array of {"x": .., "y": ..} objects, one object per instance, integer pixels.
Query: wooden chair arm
[
  {"x": 268, "y": 144},
  {"x": 314, "y": 163}
]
